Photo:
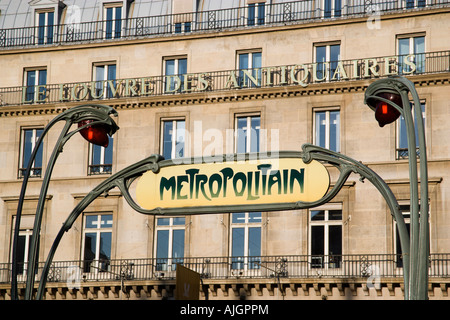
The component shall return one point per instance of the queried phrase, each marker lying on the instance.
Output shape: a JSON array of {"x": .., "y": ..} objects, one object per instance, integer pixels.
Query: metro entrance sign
[{"x": 250, "y": 184}]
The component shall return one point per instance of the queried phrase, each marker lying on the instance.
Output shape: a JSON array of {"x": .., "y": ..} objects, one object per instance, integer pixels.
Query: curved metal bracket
[{"x": 124, "y": 178}]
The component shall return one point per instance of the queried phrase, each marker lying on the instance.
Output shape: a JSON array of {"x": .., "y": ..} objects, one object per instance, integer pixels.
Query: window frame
[
  {"x": 256, "y": 72},
  {"x": 169, "y": 86},
  {"x": 249, "y": 137},
  {"x": 105, "y": 89},
  {"x": 103, "y": 168},
  {"x": 403, "y": 153},
  {"x": 114, "y": 21},
  {"x": 327, "y": 261},
  {"x": 30, "y": 89},
  {"x": 327, "y": 112},
  {"x": 175, "y": 128},
  {"x": 169, "y": 262},
  {"x": 48, "y": 27},
  {"x": 35, "y": 172},
  {"x": 247, "y": 262},
  {"x": 328, "y": 63},
  {"x": 411, "y": 51},
  {"x": 96, "y": 265}
]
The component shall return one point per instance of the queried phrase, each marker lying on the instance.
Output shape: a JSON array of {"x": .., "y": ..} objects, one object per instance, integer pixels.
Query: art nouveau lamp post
[
  {"x": 389, "y": 98},
  {"x": 94, "y": 124}
]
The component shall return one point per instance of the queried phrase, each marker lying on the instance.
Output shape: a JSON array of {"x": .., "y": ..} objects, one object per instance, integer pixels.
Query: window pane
[
  {"x": 180, "y": 139},
  {"x": 237, "y": 248},
  {"x": 335, "y": 55},
  {"x": 261, "y": 13},
  {"x": 163, "y": 221},
  {"x": 254, "y": 248},
  {"x": 335, "y": 215},
  {"x": 27, "y": 147},
  {"x": 254, "y": 217},
  {"x": 118, "y": 22},
  {"x": 182, "y": 66},
  {"x": 38, "y": 157},
  {"x": 109, "y": 151},
  {"x": 162, "y": 244},
  {"x": 179, "y": 221},
  {"x": 90, "y": 241},
  {"x": 335, "y": 240},
  {"x": 178, "y": 244},
  {"x": 31, "y": 82},
  {"x": 106, "y": 221},
  {"x": 105, "y": 246},
  {"x": 334, "y": 130},
  {"x": 20, "y": 255},
  {"x": 241, "y": 135},
  {"x": 321, "y": 129},
  {"x": 109, "y": 23},
  {"x": 170, "y": 67},
  {"x": 167, "y": 139},
  {"x": 91, "y": 222},
  {"x": 317, "y": 215},
  {"x": 254, "y": 241},
  {"x": 238, "y": 217},
  {"x": 317, "y": 240},
  {"x": 327, "y": 8},
  {"x": 251, "y": 14},
  {"x": 96, "y": 154},
  {"x": 255, "y": 124},
  {"x": 403, "y": 46},
  {"x": 243, "y": 61}
]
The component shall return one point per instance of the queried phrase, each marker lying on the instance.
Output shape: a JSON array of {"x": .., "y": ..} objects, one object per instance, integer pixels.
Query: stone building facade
[{"x": 202, "y": 78}]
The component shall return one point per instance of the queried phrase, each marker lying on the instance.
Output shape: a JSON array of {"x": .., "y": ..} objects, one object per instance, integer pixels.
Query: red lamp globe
[
  {"x": 96, "y": 134},
  {"x": 385, "y": 113}
]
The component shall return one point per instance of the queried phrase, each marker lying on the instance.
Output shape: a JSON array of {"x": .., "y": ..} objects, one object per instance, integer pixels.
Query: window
[
  {"x": 35, "y": 81},
  {"x": 173, "y": 138},
  {"x": 100, "y": 158},
  {"x": 256, "y": 13},
  {"x": 327, "y": 129},
  {"x": 182, "y": 27},
  {"x": 410, "y": 4},
  {"x": 23, "y": 243},
  {"x": 326, "y": 238},
  {"x": 23, "y": 248},
  {"x": 174, "y": 71},
  {"x": 402, "y": 137},
  {"x": 29, "y": 139},
  {"x": 331, "y": 8},
  {"x": 45, "y": 21},
  {"x": 405, "y": 209},
  {"x": 104, "y": 76},
  {"x": 249, "y": 65},
  {"x": 169, "y": 243},
  {"x": 327, "y": 58},
  {"x": 246, "y": 240},
  {"x": 247, "y": 133},
  {"x": 113, "y": 21},
  {"x": 97, "y": 242},
  {"x": 411, "y": 46}
]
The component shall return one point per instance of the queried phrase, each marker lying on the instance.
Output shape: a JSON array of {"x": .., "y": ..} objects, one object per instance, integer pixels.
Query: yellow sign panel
[{"x": 259, "y": 182}]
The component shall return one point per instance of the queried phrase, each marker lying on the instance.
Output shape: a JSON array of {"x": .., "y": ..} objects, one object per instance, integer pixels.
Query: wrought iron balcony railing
[
  {"x": 276, "y": 76},
  {"x": 289, "y": 266},
  {"x": 163, "y": 25}
]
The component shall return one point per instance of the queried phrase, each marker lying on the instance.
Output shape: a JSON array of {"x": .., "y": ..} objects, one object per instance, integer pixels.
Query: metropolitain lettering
[{"x": 249, "y": 184}]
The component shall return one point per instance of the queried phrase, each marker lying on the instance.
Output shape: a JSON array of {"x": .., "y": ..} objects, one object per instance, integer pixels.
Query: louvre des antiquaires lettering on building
[{"x": 300, "y": 74}]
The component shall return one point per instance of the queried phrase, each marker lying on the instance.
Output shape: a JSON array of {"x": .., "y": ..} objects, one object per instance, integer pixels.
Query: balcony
[
  {"x": 283, "y": 271},
  {"x": 204, "y": 21},
  {"x": 219, "y": 81}
]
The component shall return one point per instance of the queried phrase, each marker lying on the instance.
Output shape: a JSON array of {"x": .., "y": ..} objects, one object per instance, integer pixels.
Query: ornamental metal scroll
[{"x": 309, "y": 154}]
